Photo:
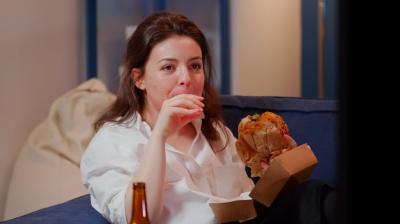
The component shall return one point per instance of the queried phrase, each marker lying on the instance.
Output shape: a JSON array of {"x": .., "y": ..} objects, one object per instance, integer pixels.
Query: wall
[
  {"x": 266, "y": 47},
  {"x": 40, "y": 59}
]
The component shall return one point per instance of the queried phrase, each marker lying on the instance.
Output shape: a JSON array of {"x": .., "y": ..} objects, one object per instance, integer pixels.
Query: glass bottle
[{"x": 139, "y": 204}]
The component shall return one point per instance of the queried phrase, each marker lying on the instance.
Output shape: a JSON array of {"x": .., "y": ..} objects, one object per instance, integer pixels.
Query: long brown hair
[{"x": 130, "y": 99}]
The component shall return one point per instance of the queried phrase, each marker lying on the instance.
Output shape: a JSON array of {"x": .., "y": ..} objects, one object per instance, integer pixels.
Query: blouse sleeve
[{"x": 107, "y": 167}]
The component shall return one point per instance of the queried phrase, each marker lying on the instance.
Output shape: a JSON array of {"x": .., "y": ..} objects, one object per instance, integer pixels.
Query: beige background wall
[
  {"x": 266, "y": 47},
  {"x": 40, "y": 59}
]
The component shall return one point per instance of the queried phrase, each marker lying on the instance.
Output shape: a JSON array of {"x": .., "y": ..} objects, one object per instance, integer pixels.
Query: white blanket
[{"x": 47, "y": 169}]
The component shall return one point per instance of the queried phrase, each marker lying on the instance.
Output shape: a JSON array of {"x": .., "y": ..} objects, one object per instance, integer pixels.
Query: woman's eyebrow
[
  {"x": 195, "y": 58},
  {"x": 173, "y": 59},
  {"x": 167, "y": 59}
]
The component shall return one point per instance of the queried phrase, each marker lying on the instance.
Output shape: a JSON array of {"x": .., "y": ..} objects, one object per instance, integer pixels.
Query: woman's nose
[{"x": 184, "y": 77}]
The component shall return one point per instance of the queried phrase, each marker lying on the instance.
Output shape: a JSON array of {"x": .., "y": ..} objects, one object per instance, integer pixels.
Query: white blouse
[{"x": 192, "y": 180}]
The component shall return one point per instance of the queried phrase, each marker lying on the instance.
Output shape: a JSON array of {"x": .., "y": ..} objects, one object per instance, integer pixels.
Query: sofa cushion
[
  {"x": 78, "y": 210},
  {"x": 311, "y": 121}
]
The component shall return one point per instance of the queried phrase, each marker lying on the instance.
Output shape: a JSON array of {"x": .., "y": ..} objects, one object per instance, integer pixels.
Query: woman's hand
[
  {"x": 292, "y": 144},
  {"x": 178, "y": 111}
]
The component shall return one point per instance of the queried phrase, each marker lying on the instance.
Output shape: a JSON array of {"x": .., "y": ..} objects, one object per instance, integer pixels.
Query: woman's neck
[
  {"x": 149, "y": 116},
  {"x": 183, "y": 139}
]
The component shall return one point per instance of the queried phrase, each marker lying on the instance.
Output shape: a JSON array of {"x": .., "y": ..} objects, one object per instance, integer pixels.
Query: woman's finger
[
  {"x": 182, "y": 98},
  {"x": 188, "y": 103},
  {"x": 180, "y": 111},
  {"x": 264, "y": 165},
  {"x": 290, "y": 141},
  {"x": 181, "y": 116}
]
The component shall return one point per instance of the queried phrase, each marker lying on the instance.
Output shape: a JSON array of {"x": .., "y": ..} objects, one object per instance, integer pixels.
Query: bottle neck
[{"x": 139, "y": 204}]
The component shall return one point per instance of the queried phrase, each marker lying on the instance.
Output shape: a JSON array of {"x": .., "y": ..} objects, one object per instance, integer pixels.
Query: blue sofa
[{"x": 310, "y": 121}]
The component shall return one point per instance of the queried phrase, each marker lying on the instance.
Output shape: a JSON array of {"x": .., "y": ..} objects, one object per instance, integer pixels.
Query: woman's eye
[
  {"x": 196, "y": 66},
  {"x": 168, "y": 68}
]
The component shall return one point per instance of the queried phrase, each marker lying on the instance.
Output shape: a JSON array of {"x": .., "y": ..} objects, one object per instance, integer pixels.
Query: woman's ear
[{"x": 137, "y": 77}]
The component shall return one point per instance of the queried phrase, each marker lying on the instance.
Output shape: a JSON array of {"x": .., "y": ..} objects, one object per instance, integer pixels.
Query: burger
[{"x": 261, "y": 139}]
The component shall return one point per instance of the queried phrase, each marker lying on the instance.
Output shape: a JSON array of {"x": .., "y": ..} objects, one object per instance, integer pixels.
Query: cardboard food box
[
  {"x": 234, "y": 210},
  {"x": 285, "y": 171}
]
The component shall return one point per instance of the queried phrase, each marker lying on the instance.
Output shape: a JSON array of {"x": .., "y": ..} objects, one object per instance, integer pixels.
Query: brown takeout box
[
  {"x": 285, "y": 171},
  {"x": 234, "y": 210}
]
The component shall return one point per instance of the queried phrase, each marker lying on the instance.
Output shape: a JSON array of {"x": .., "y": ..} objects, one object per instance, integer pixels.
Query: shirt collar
[
  {"x": 197, "y": 125},
  {"x": 141, "y": 125}
]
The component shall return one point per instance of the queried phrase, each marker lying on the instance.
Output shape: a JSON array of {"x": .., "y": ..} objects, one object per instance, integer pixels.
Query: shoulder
[
  {"x": 113, "y": 145},
  {"x": 114, "y": 137},
  {"x": 129, "y": 129}
]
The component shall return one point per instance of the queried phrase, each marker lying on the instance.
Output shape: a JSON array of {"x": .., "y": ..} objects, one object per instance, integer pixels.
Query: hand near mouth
[{"x": 178, "y": 111}]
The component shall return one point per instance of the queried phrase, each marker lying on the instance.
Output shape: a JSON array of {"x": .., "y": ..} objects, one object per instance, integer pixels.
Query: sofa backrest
[{"x": 311, "y": 121}]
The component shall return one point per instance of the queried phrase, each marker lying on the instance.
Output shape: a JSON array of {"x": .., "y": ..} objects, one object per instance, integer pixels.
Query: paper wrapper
[{"x": 286, "y": 170}]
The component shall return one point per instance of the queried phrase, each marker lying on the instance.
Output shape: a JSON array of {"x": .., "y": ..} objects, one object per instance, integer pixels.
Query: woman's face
[{"x": 174, "y": 67}]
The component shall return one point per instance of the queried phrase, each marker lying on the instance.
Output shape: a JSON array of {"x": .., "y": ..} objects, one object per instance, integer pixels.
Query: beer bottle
[{"x": 139, "y": 204}]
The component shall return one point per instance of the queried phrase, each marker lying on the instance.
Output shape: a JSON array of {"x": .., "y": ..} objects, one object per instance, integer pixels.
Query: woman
[{"x": 165, "y": 129}]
